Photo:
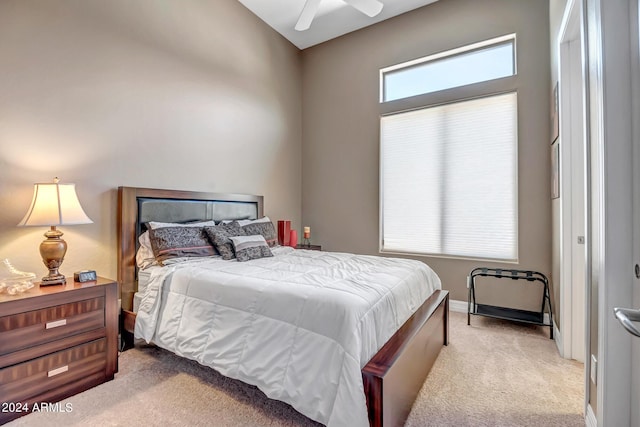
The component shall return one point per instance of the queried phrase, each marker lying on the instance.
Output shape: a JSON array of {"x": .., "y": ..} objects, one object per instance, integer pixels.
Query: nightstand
[
  {"x": 56, "y": 341},
  {"x": 310, "y": 247}
]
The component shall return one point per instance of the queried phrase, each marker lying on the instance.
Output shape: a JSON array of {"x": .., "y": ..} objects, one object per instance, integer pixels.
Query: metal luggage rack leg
[{"x": 533, "y": 317}]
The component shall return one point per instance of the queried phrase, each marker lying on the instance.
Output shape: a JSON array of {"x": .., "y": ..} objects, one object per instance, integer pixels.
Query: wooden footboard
[{"x": 394, "y": 376}]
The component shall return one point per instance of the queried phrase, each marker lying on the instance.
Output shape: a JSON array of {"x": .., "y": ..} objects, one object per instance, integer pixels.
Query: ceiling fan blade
[
  {"x": 306, "y": 16},
  {"x": 369, "y": 7}
]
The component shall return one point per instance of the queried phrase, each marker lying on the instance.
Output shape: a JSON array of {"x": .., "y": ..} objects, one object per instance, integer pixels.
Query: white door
[
  {"x": 577, "y": 201},
  {"x": 635, "y": 71},
  {"x": 635, "y": 108},
  {"x": 612, "y": 59}
]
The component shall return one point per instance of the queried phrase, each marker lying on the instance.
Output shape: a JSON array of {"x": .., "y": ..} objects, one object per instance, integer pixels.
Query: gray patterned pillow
[
  {"x": 250, "y": 247},
  {"x": 266, "y": 229},
  {"x": 219, "y": 236},
  {"x": 177, "y": 242}
]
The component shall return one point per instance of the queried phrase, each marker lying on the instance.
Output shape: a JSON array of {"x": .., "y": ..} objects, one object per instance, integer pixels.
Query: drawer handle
[
  {"x": 58, "y": 371},
  {"x": 56, "y": 324}
]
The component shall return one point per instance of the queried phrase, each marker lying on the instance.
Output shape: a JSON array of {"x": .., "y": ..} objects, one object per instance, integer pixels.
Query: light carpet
[{"x": 493, "y": 373}]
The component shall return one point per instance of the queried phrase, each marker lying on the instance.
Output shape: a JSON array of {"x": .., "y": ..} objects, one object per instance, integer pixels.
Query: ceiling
[{"x": 334, "y": 17}]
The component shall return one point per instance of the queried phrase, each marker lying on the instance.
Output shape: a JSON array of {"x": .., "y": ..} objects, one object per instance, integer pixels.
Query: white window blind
[{"x": 449, "y": 179}]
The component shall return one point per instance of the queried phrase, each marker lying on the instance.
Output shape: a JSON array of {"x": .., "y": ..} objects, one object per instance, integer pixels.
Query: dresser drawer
[
  {"x": 23, "y": 330},
  {"x": 22, "y": 381}
]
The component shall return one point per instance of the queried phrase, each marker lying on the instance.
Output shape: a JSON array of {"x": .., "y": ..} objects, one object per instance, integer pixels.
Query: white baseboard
[
  {"x": 558, "y": 339},
  {"x": 461, "y": 307},
  {"x": 590, "y": 419},
  {"x": 458, "y": 306}
]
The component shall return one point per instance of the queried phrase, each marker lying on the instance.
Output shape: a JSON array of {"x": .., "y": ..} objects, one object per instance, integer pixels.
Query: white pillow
[
  {"x": 243, "y": 222},
  {"x": 154, "y": 224},
  {"x": 144, "y": 256},
  {"x": 250, "y": 247}
]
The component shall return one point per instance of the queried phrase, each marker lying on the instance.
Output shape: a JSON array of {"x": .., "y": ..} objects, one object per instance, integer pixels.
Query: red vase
[
  {"x": 293, "y": 238},
  {"x": 284, "y": 232}
]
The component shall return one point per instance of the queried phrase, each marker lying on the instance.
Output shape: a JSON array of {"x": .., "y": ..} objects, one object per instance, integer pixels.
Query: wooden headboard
[{"x": 137, "y": 206}]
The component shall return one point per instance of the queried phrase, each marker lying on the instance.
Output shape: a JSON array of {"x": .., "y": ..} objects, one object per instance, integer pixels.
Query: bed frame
[{"x": 392, "y": 378}]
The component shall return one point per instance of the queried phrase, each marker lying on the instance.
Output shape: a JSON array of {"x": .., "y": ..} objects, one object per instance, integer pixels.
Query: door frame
[{"x": 571, "y": 32}]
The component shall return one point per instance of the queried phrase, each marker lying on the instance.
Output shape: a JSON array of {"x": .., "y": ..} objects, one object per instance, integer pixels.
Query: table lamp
[{"x": 54, "y": 204}]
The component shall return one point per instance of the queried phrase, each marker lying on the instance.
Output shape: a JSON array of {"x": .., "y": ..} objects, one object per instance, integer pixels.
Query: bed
[{"x": 392, "y": 363}]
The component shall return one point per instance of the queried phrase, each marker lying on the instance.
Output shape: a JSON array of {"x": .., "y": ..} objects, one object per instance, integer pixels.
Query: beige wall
[
  {"x": 196, "y": 95},
  {"x": 341, "y": 124},
  {"x": 132, "y": 93}
]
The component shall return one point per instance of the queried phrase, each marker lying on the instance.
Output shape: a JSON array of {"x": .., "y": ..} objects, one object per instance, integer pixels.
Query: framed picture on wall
[
  {"x": 555, "y": 170},
  {"x": 555, "y": 121}
]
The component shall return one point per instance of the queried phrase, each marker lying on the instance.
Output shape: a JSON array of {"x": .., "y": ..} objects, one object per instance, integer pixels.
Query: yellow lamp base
[
  {"x": 53, "y": 250},
  {"x": 53, "y": 280}
]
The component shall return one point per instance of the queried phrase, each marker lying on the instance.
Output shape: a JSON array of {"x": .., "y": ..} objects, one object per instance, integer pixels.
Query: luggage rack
[{"x": 525, "y": 316}]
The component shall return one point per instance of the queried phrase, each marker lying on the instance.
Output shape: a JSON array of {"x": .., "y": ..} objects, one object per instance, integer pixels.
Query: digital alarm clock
[{"x": 84, "y": 276}]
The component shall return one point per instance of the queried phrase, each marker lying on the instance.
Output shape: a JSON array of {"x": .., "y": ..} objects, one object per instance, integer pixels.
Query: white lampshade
[{"x": 54, "y": 204}]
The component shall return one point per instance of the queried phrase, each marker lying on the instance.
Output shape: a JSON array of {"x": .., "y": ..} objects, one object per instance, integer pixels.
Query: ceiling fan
[{"x": 369, "y": 7}]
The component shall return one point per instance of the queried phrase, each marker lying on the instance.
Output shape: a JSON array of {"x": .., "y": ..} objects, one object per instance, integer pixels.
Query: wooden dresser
[{"x": 56, "y": 341}]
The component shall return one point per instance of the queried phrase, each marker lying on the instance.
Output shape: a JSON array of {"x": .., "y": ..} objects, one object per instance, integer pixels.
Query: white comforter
[{"x": 299, "y": 326}]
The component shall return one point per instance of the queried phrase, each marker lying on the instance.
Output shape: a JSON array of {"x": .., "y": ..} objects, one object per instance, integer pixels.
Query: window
[
  {"x": 448, "y": 178},
  {"x": 479, "y": 62}
]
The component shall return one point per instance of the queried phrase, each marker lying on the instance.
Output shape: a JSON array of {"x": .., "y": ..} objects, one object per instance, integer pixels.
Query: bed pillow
[
  {"x": 145, "y": 256},
  {"x": 178, "y": 242},
  {"x": 250, "y": 247},
  {"x": 193, "y": 223},
  {"x": 240, "y": 222},
  {"x": 243, "y": 222},
  {"x": 264, "y": 227},
  {"x": 219, "y": 236}
]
